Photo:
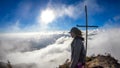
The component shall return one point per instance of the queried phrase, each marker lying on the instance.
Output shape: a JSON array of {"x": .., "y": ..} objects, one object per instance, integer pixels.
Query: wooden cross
[{"x": 86, "y": 26}]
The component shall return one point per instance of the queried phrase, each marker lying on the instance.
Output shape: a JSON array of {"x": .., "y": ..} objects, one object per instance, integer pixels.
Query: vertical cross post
[{"x": 86, "y": 26}]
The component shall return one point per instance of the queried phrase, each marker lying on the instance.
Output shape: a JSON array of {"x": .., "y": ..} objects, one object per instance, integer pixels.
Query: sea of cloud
[
  {"x": 35, "y": 50},
  {"x": 50, "y": 49}
]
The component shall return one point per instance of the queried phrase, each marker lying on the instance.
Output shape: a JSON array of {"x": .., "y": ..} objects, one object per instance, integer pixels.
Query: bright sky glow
[{"x": 47, "y": 16}]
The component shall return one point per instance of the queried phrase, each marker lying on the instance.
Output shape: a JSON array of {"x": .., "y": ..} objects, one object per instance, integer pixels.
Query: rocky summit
[
  {"x": 99, "y": 61},
  {"x": 102, "y": 61}
]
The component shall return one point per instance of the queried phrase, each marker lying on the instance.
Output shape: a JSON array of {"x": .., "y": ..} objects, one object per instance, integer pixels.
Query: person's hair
[{"x": 76, "y": 31}]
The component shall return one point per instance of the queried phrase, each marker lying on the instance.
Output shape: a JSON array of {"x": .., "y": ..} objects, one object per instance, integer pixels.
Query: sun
[{"x": 47, "y": 16}]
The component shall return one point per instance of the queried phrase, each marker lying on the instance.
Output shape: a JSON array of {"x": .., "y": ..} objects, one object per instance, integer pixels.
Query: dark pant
[{"x": 79, "y": 65}]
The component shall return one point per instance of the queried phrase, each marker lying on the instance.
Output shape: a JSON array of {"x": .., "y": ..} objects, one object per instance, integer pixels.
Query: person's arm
[{"x": 77, "y": 50}]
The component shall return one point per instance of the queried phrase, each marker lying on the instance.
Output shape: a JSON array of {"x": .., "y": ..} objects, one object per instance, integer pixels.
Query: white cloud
[
  {"x": 22, "y": 42},
  {"x": 100, "y": 41},
  {"x": 105, "y": 41},
  {"x": 61, "y": 10},
  {"x": 73, "y": 11},
  {"x": 53, "y": 54}
]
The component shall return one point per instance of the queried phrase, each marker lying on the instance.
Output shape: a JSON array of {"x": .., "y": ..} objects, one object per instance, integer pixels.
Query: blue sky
[{"x": 26, "y": 15}]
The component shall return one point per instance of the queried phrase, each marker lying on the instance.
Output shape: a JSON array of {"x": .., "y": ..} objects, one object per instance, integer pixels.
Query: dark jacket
[{"x": 78, "y": 52}]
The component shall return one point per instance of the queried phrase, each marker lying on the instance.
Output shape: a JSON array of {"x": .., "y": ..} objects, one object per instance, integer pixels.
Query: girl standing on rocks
[{"x": 77, "y": 49}]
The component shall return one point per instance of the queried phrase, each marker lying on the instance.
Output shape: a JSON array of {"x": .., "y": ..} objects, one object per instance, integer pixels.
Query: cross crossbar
[{"x": 86, "y": 26}]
